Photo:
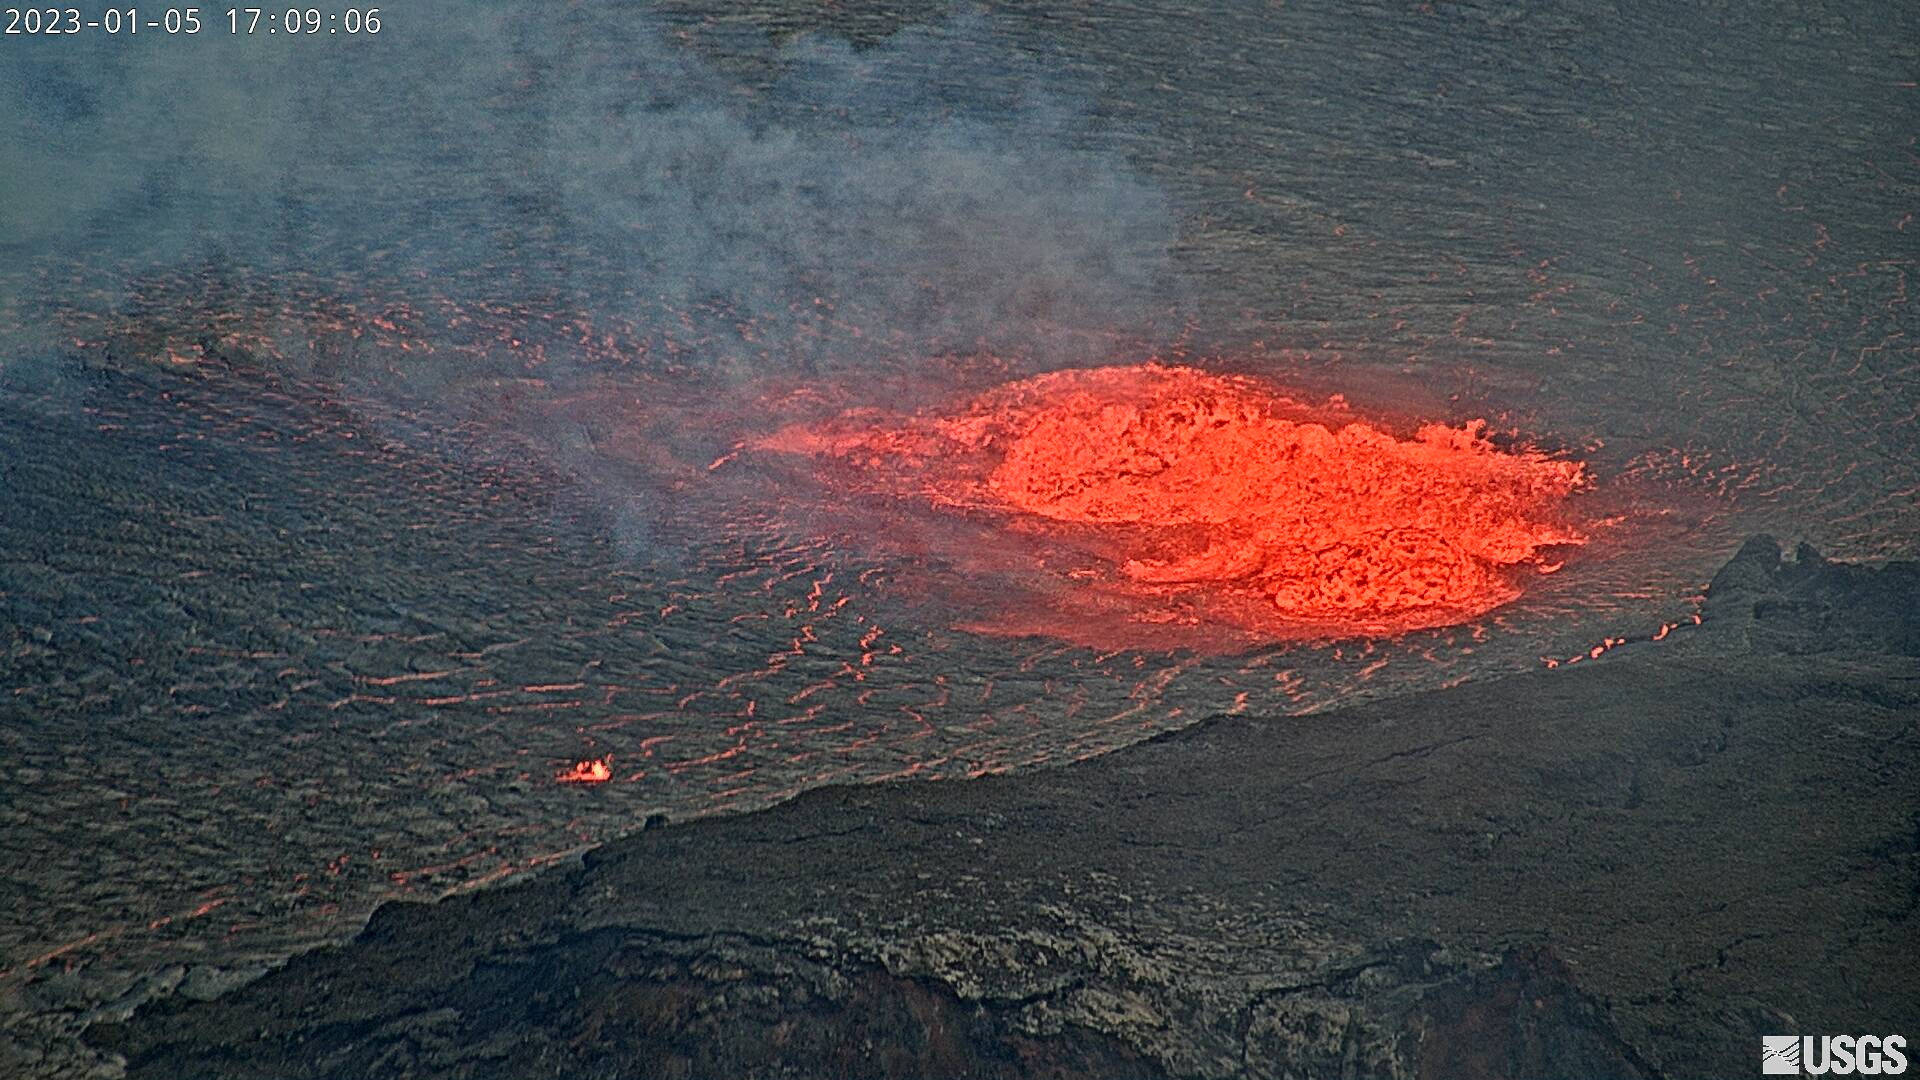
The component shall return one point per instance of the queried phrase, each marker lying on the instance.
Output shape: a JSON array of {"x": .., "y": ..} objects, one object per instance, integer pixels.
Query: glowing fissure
[{"x": 1184, "y": 482}]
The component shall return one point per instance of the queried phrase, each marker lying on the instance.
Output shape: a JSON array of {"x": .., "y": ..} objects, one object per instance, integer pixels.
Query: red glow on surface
[
  {"x": 1166, "y": 497},
  {"x": 594, "y": 771}
]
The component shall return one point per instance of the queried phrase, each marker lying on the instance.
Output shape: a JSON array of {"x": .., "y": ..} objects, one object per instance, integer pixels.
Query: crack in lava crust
[{"x": 1168, "y": 495}]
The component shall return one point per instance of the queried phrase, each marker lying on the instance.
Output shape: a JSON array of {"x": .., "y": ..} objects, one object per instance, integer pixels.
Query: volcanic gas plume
[{"x": 1168, "y": 495}]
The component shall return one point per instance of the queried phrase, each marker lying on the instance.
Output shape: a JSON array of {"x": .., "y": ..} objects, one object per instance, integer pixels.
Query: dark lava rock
[
  {"x": 1522, "y": 1018},
  {"x": 1632, "y": 868},
  {"x": 1813, "y": 605}
]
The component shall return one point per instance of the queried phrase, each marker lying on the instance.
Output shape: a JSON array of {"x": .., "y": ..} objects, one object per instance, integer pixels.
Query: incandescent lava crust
[{"x": 1179, "y": 491}]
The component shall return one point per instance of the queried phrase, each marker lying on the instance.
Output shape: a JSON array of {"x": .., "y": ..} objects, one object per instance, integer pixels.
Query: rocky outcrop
[
  {"x": 1813, "y": 605},
  {"x": 1628, "y": 869}
]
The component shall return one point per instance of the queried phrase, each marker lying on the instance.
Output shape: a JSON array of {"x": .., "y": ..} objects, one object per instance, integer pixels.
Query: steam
[{"x": 933, "y": 192}]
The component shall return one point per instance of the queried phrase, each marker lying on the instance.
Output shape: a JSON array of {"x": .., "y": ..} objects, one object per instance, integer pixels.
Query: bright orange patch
[
  {"x": 595, "y": 771},
  {"x": 1184, "y": 483}
]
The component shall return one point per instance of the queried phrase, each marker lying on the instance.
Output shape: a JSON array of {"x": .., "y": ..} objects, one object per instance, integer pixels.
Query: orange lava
[
  {"x": 1179, "y": 490},
  {"x": 596, "y": 771}
]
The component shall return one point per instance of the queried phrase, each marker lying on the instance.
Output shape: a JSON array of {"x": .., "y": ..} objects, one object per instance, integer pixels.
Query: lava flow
[
  {"x": 1167, "y": 496},
  {"x": 593, "y": 771}
]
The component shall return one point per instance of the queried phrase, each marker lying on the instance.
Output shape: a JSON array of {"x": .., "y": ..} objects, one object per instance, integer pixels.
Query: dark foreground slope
[{"x": 1627, "y": 869}]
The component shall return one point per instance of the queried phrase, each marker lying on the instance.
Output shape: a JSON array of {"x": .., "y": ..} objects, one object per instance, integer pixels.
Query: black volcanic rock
[
  {"x": 1523, "y": 1017},
  {"x": 1814, "y": 605},
  {"x": 1606, "y": 871}
]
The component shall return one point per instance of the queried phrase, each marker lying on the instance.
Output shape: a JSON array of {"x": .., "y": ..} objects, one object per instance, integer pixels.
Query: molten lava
[
  {"x": 1189, "y": 491},
  {"x": 593, "y": 771}
]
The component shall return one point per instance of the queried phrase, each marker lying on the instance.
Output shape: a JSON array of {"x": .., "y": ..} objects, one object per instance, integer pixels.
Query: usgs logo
[{"x": 1838, "y": 1055}]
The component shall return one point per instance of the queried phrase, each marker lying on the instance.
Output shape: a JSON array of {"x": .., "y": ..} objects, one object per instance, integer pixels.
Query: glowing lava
[
  {"x": 594, "y": 771},
  {"x": 1183, "y": 494}
]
